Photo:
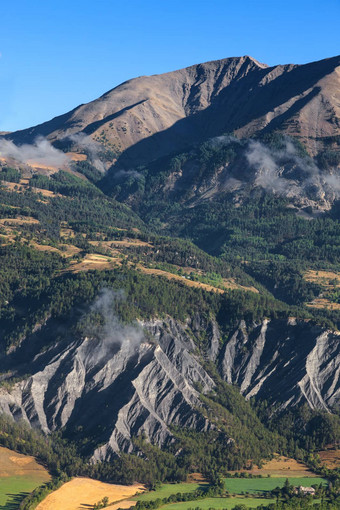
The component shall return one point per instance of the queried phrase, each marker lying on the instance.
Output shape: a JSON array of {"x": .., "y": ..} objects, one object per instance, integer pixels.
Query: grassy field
[
  {"x": 236, "y": 486},
  {"x": 19, "y": 475},
  {"x": 258, "y": 485},
  {"x": 168, "y": 489},
  {"x": 219, "y": 503}
]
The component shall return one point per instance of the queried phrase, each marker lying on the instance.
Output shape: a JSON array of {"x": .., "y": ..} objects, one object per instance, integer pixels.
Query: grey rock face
[
  {"x": 115, "y": 392},
  {"x": 285, "y": 362}
]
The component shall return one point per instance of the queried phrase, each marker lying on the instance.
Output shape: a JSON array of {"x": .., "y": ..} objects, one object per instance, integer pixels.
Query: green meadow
[
  {"x": 219, "y": 503},
  {"x": 14, "y": 488},
  {"x": 258, "y": 485},
  {"x": 244, "y": 489},
  {"x": 168, "y": 489}
]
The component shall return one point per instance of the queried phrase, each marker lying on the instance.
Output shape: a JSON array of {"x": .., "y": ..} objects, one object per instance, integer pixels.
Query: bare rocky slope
[
  {"x": 151, "y": 116},
  {"x": 285, "y": 362},
  {"x": 114, "y": 392}
]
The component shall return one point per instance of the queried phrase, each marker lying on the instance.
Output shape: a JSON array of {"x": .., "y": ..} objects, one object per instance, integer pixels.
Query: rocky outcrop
[
  {"x": 110, "y": 392},
  {"x": 284, "y": 362},
  {"x": 115, "y": 391}
]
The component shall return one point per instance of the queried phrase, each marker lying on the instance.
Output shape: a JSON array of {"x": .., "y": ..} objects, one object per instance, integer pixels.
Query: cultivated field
[
  {"x": 281, "y": 466},
  {"x": 93, "y": 261},
  {"x": 219, "y": 503},
  {"x": 19, "y": 475},
  {"x": 329, "y": 280},
  {"x": 172, "y": 276},
  {"x": 258, "y": 485},
  {"x": 324, "y": 303},
  {"x": 81, "y": 493},
  {"x": 168, "y": 489},
  {"x": 246, "y": 491},
  {"x": 324, "y": 278},
  {"x": 24, "y": 184},
  {"x": 331, "y": 458},
  {"x": 68, "y": 249},
  {"x": 21, "y": 220}
]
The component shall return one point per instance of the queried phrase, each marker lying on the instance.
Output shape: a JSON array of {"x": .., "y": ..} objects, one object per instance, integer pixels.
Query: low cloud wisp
[
  {"x": 107, "y": 329},
  {"x": 92, "y": 148},
  {"x": 41, "y": 152},
  {"x": 285, "y": 172}
]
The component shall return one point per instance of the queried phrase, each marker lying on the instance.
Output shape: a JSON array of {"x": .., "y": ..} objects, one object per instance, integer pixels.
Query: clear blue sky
[{"x": 57, "y": 55}]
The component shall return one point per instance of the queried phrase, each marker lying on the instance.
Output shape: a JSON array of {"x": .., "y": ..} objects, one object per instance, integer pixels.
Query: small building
[{"x": 306, "y": 490}]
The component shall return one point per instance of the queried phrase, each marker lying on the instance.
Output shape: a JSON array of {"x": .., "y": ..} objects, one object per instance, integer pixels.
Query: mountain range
[{"x": 170, "y": 265}]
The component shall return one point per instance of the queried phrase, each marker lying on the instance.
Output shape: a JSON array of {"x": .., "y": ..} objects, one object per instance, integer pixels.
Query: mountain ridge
[{"x": 163, "y": 113}]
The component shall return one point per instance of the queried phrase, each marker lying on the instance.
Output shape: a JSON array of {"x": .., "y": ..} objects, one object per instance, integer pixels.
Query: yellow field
[
  {"x": 46, "y": 192},
  {"x": 281, "y": 466},
  {"x": 323, "y": 303},
  {"x": 75, "y": 156},
  {"x": 21, "y": 220},
  {"x": 331, "y": 458},
  {"x": 324, "y": 278},
  {"x": 93, "y": 261},
  {"x": 229, "y": 284},
  {"x": 19, "y": 475},
  {"x": 66, "y": 231},
  {"x": 129, "y": 242},
  {"x": 13, "y": 186},
  {"x": 196, "y": 478},
  {"x": 81, "y": 493},
  {"x": 70, "y": 250},
  {"x": 16, "y": 464},
  {"x": 329, "y": 280},
  {"x": 171, "y": 276},
  {"x": 23, "y": 185},
  {"x": 117, "y": 244}
]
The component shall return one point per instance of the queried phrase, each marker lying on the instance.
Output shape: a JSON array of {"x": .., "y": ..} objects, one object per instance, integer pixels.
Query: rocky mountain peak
[{"x": 151, "y": 116}]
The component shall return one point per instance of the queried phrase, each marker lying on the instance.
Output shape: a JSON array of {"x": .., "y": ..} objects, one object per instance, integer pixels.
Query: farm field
[
  {"x": 281, "y": 466},
  {"x": 19, "y": 475},
  {"x": 219, "y": 503},
  {"x": 81, "y": 493},
  {"x": 168, "y": 489},
  {"x": 258, "y": 485},
  {"x": 92, "y": 261},
  {"x": 236, "y": 486},
  {"x": 324, "y": 278},
  {"x": 323, "y": 303},
  {"x": 331, "y": 458}
]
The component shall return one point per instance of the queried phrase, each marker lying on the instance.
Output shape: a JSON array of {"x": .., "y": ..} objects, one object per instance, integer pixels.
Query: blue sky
[{"x": 57, "y": 55}]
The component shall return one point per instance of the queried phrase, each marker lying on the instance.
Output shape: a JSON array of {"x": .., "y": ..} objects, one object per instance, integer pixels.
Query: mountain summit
[{"x": 151, "y": 116}]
